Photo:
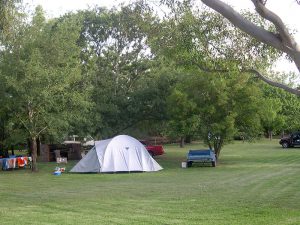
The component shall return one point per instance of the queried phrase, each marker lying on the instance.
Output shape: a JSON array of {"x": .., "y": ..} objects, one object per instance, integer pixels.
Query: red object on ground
[{"x": 153, "y": 149}]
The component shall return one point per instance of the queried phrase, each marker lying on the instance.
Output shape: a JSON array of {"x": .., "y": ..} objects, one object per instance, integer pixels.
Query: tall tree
[
  {"x": 42, "y": 70},
  {"x": 272, "y": 118},
  {"x": 220, "y": 106},
  {"x": 10, "y": 16},
  {"x": 208, "y": 48},
  {"x": 183, "y": 120},
  {"x": 116, "y": 50}
]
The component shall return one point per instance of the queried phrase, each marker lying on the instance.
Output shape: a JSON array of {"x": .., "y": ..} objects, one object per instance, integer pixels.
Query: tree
[
  {"x": 8, "y": 12},
  {"x": 288, "y": 109},
  {"x": 10, "y": 15},
  {"x": 115, "y": 49},
  {"x": 280, "y": 39},
  {"x": 183, "y": 119},
  {"x": 226, "y": 106},
  {"x": 42, "y": 70},
  {"x": 272, "y": 119},
  {"x": 204, "y": 46},
  {"x": 208, "y": 41},
  {"x": 248, "y": 106}
]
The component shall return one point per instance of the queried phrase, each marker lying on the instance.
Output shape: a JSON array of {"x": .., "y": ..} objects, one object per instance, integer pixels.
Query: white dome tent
[{"x": 119, "y": 154}]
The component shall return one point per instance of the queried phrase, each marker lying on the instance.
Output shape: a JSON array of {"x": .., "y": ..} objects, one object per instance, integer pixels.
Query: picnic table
[{"x": 201, "y": 156}]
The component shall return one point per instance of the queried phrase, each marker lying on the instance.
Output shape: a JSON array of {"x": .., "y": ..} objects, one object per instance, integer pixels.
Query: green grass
[{"x": 256, "y": 183}]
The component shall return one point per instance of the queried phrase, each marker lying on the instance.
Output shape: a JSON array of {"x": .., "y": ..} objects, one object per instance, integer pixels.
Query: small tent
[{"x": 119, "y": 154}]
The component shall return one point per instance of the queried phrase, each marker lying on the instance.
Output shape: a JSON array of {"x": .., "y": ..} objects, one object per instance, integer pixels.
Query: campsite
[
  {"x": 254, "y": 183},
  {"x": 144, "y": 112}
]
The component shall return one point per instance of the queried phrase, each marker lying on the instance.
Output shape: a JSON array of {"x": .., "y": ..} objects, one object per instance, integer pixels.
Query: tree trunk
[
  {"x": 12, "y": 150},
  {"x": 209, "y": 145},
  {"x": 6, "y": 154},
  {"x": 29, "y": 143},
  {"x": 34, "y": 154},
  {"x": 270, "y": 135},
  {"x": 188, "y": 139},
  {"x": 38, "y": 143},
  {"x": 181, "y": 142},
  {"x": 218, "y": 144}
]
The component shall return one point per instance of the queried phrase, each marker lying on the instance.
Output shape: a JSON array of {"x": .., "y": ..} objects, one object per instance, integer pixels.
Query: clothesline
[{"x": 15, "y": 162}]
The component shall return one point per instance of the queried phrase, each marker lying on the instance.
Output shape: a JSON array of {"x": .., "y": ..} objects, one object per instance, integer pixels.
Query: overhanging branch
[
  {"x": 286, "y": 38},
  {"x": 245, "y": 25},
  {"x": 273, "y": 83},
  {"x": 282, "y": 41},
  {"x": 255, "y": 72}
]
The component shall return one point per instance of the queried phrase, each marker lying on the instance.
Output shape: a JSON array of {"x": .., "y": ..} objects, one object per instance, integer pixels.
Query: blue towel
[{"x": 4, "y": 164}]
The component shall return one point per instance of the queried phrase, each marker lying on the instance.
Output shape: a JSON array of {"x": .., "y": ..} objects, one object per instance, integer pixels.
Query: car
[
  {"x": 201, "y": 156},
  {"x": 291, "y": 140},
  {"x": 153, "y": 150}
]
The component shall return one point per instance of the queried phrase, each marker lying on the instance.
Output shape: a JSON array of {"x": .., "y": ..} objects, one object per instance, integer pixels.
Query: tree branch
[
  {"x": 257, "y": 73},
  {"x": 24, "y": 124},
  {"x": 38, "y": 134},
  {"x": 272, "y": 83},
  {"x": 287, "y": 39},
  {"x": 209, "y": 70},
  {"x": 245, "y": 25},
  {"x": 283, "y": 42}
]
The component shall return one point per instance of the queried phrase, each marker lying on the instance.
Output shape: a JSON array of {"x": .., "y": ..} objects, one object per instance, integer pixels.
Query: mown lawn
[{"x": 254, "y": 183}]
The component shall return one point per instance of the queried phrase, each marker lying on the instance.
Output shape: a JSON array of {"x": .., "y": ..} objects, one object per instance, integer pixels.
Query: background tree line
[{"x": 102, "y": 72}]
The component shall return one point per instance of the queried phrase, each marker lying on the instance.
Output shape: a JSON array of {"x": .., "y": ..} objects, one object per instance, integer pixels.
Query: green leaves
[
  {"x": 8, "y": 15},
  {"x": 43, "y": 74},
  {"x": 181, "y": 110},
  {"x": 99, "y": 72}
]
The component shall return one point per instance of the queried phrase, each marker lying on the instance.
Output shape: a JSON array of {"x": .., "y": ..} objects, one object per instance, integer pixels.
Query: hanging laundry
[
  {"x": 11, "y": 163},
  {"x": 21, "y": 162}
]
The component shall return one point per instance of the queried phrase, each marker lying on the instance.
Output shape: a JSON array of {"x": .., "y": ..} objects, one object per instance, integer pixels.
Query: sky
[
  {"x": 59, "y": 7},
  {"x": 289, "y": 12}
]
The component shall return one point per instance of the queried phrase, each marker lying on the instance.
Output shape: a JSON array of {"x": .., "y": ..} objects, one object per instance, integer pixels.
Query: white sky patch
[{"x": 56, "y": 8}]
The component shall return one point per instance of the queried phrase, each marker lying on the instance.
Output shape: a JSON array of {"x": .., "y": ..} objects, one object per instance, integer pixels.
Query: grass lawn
[{"x": 257, "y": 183}]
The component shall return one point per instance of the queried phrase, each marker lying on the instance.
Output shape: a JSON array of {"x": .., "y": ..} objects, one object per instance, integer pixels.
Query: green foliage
[
  {"x": 199, "y": 38},
  {"x": 271, "y": 117},
  {"x": 211, "y": 51},
  {"x": 103, "y": 72},
  {"x": 42, "y": 74},
  {"x": 248, "y": 106},
  {"x": 8, "y": 15},
  {"x": 286, "y": 112},
  {"x": 183, "y": 120},
  {"x": 216, "y": 107},
  {"x": 125, "y": 87}
]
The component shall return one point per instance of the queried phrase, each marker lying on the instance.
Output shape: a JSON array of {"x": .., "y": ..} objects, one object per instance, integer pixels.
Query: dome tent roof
[{"x": 119, "y": 154}]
